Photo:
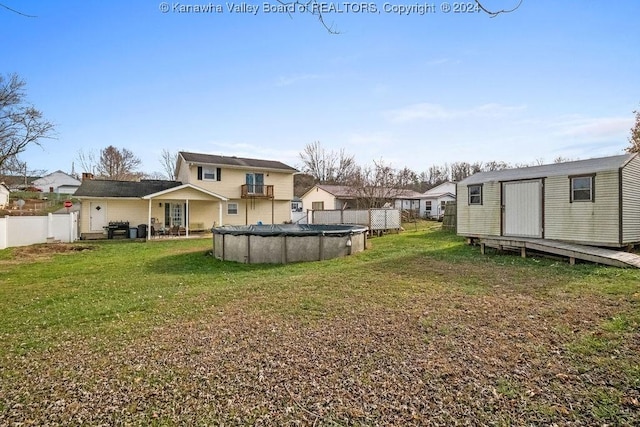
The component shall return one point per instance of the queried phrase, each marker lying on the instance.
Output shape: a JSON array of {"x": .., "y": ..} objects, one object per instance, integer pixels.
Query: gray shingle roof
[
  {"x": 568, "y": 168},
  {"x": 212, "y": 159},
  {"x": 106, "y": 188}
]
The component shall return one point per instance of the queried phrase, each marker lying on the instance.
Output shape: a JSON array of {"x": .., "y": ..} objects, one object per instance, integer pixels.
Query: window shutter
[
  {"x": 218, "y": 174},
  {"x": 199, "y": 173}
]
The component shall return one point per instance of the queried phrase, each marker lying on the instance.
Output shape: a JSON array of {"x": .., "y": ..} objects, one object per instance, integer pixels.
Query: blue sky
[{"x": 550, "y": 79}]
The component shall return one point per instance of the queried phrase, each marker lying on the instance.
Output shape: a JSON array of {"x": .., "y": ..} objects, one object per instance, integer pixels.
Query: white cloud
[
  {"x": 297, "y": 78},
  {"x": 427, "y": 111},
  {"x": 595, "y": 128}
]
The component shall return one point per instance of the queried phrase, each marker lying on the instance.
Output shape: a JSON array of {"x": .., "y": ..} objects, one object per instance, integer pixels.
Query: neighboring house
[
  {"x": 328, "y": 197},
  {"x": 4, "y": 195},
  {"x": 57, "y": 182},
  {"x": 434, "y": 200},
  {"x": 593, "y": 202},
  {"x": 17, "y": 182},
  {"x": 210, "y": 191},
  {"x": 408, "y": 200}
]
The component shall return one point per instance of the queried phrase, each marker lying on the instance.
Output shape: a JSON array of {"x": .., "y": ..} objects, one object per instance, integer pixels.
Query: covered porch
[{"x": 183, "y": 210}]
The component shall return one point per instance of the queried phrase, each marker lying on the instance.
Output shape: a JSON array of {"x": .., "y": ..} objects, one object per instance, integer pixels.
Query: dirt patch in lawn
[{"x": 26, "y": 254}]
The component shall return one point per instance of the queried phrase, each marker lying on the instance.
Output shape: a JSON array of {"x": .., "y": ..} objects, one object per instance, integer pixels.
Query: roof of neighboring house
[
  {"x": 347, "y": 192},
  {"x": 107, "y": 188},
  {"x": 17, "y": 180},
  {"x": 339, "y": 191},
  {"x": 568, "y": 168},
  {"x": 439, "y": 189},
  {"x": 43, "y": 179},
  {"x": 235, "y": 161},
  {"x": 408, "y": 194}
]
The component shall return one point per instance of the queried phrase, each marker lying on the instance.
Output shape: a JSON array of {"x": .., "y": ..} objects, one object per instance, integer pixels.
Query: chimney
[{"x": 87, "y": 176}]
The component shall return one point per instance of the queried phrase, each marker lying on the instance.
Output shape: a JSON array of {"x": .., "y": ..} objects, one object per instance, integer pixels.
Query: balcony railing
[{"x": 257, "y": 190}]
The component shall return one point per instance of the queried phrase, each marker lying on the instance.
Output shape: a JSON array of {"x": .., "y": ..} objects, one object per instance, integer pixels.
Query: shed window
[
  {"x": 475, "y": 194},
  {"x": 582, "y": 189},
  {"x": 317, "y": 206}
]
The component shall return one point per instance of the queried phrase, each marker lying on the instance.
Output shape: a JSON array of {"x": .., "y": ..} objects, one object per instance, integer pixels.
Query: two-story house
[{"x": 210, "y": 191}]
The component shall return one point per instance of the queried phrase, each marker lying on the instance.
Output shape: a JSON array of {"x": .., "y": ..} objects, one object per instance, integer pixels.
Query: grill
[{"x": 116, "y": 227}]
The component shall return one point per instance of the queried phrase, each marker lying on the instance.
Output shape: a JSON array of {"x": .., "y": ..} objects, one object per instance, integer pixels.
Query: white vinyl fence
[
  {"x": 29, "y": 230},
  {"x": 375, "y": 219}
]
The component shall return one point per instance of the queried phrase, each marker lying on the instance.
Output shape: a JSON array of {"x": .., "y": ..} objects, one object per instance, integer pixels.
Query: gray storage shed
[{"x": 592, "y": 202}]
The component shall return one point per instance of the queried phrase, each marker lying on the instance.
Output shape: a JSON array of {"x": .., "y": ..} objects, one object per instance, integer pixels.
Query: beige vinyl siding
[
  {"x": 232, "y": 180},
  {"x": 252, "y": 211},
  {"x": 133, "y": 211},
  {"x": 479, "y": 220},
  {"x": 319, "y": 195},
  {"x": 585, "y": 221},
  {"x": 631, "y": 201},
  {"x": 202, "y": 214}
]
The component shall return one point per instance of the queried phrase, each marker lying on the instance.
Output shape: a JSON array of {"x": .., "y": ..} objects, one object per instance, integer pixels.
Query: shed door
[
  {"x": 522, "y": 208},
  {"x": 98, "y": 216}
]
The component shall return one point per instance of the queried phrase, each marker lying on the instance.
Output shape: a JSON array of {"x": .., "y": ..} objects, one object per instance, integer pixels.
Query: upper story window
[
  {"x": 582, "y": 188},
  {"x": 475, "y": 194},
  {"x": 207, "y": 173}
]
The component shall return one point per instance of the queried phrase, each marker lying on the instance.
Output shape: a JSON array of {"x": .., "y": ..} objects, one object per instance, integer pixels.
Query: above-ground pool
[{"x": 280, "y": 244}]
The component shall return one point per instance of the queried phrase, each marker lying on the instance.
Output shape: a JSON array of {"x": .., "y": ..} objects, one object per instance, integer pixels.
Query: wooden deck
[{"x": 572, "y": 251}]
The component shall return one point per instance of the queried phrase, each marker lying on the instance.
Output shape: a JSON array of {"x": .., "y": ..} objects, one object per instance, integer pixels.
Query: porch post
[
  {"x": 149, "y": 222},
  {"x": 186, "y": 218},
  {"x": 219, "y": 213}
]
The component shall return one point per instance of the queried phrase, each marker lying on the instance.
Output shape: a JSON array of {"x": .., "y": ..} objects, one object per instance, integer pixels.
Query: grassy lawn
[{"x": 418, "y": 330}]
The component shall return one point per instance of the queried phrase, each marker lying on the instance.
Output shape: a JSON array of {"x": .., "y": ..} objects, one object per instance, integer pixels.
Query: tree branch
[
  {"x": 493, "y": 14},
  {"x": 17, "y": 11}
]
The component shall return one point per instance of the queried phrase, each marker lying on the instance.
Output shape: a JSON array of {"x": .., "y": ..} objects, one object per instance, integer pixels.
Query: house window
[
  {"x": 475, "y": 194},
  {"x": 442, "y": 205},
  {"x": 582, "y": 188},
  {"x": 255, "y": 183},
  {"x": 208, "y": 173},
  {"x": 317, "y": 206},
  {"x": 427, "y": 205},
  {"x": 232, "y": 209}
]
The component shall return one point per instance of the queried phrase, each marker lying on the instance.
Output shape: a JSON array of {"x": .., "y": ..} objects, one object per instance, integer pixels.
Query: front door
[
  {"x": 522, "y": 208},
  {"x": 98, "y": 216}
]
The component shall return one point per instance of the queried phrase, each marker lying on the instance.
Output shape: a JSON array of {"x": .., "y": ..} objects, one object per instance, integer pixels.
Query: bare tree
[
  {"x": 21, "y": 124},
  {"x": 16, "y": 11},
  {"x": 634, "y": 138},
  {"x": 87, "y": 161},
  {"x": 318, "y": 9},
  {"x": 169, "y": 160},
  {"x": 494, "y": 13},
  {"x": 461, "y": 170},
  {"x": 494, "y": 165},
  {"x": 327, "y": 167},
  {"x": 119, "y": 164},
  {"x": 377, "y": 185}
]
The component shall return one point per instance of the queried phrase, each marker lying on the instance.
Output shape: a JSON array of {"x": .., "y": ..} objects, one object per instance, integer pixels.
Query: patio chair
[{"x": 177, "y": 230}]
